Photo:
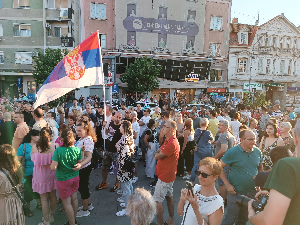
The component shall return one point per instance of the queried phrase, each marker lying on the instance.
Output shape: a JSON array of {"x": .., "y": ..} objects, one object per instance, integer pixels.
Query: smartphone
[{"x": 190, "y": 186}]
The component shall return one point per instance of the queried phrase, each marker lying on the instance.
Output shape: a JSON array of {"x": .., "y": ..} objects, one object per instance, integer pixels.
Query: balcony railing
[
  {"x": 129, "y": 48},
  {"x": 67, "y": 42}
]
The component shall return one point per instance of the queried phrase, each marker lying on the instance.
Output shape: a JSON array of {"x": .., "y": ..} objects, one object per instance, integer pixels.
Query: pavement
[{"x": 105, "y": 202}]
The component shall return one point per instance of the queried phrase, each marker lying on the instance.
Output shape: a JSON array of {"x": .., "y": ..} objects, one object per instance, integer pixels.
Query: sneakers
[
  {"x": 119, "y": 192},
  {"x": 121, "y": 213},
  {"x": 121, "y": 199},
  {"x": 187, "y": 177},
  {"x": 82, "y": 213},
  {"x": 101, "y": 186},
  {"x": 152, "y": 184},
  {"x": 135, "y": 179},
  {"x": 115, "y": 188},
  {"x": 90, "y": 207},
  {"x": 123, "y": 205}
]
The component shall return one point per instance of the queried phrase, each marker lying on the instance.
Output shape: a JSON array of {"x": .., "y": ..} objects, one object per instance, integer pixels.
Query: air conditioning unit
[
  {"x": 48, "y": 26},
  {"x": 35, "y": 54}
]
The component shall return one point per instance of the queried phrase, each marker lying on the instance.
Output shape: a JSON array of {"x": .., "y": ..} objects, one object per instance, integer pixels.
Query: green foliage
[
  {"x": 259, "y": 99},
  {"x": 141, "y": 76},
  {"x": 44, "y": 65}
]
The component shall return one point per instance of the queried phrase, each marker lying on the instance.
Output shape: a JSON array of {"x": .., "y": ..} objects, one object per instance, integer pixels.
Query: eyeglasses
[
  {"x": 251, "y": 139},
  {"x": 204, "y": 175}
]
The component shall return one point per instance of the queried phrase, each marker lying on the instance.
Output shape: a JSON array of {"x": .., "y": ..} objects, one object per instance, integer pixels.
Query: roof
[
  {"x": 281, "y": 17},
  {"x": 235, "y": 28}
]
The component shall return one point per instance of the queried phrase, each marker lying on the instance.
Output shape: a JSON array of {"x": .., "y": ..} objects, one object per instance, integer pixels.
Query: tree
[
  {"x": 44, "y": 65},
  {"x": 141, "y": 76},
  {"x": 259, "y": 100}
]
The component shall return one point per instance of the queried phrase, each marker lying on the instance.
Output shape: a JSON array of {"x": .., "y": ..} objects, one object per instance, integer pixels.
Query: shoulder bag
[
  {"x": 196, "y": 143},
  {"x": 15, "y": 188}
]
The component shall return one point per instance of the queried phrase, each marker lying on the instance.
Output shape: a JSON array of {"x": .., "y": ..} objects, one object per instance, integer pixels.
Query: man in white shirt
[
  {"x": 277, "y": 113},
  {"x": 143, "y": 125},
  {"x": 75, "y": 106},
  {"x": 107, "y": 120}
]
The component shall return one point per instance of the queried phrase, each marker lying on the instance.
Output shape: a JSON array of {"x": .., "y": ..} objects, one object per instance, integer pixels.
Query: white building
[{"x": 266, "y": 56}]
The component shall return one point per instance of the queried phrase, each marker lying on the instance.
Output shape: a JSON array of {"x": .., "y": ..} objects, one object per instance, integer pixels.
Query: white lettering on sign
[{"x": 257, "y": 86}]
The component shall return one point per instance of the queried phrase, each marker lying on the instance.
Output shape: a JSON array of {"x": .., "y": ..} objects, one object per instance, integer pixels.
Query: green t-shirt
[
  {"x": 243, "y": 167},
  {"x": 213, "y": 126},
  {"x": 285, "y": 178},
  {"x": 66, "y": 157}
]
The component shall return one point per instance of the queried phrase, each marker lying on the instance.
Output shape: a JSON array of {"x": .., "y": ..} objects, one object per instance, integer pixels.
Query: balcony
[
  {"x": 67, "y": 41},
  {"x": 161, "y": 50},
  {"x": 277, "y": 51},
  {"x": 129, "y": 48},
  {"x": 189, "y": 51}
]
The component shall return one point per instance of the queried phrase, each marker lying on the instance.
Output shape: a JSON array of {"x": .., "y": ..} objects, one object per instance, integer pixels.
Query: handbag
[
  {"x": 26, "y": 210},
  {"x": 128, "y": 165},
  {"x": 196, "y": 147}
]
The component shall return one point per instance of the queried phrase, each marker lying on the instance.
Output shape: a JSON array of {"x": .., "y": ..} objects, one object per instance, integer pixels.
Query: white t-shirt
[
  {"x": 220, "y": 118},
  {"x": 136, "y": 128},
  {"x": 144, "y": 119},
  {"x": 77, "y": 107},
  {"x": 235, "y": 125},
  {"x": 54, "y": 133},
  {"x": 89, "y": 146},
  {"x": 108, "y": 119},
  {"x": 207, "y": 206}
]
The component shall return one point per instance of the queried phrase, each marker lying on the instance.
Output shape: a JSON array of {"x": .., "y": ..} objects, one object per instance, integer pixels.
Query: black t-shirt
[
  {"x": 27, "y": 116},
  {"x": 7, "y": 130},
  {"x": 113, "y": 136},
  {"x": 152, "y": 138},
  {"x": 140, "y": 114},
  {"x": 93, "y": 117},
  {"x": 130, "y": 120},
  {"x": 98, "y": 125}
]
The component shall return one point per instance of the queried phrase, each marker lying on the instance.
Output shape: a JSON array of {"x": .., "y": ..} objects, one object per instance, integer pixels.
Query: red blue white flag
[{"x": 81, "y": 67}]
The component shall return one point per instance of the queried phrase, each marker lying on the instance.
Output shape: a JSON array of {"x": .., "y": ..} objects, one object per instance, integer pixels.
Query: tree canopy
[{"x": 141, "y": 76}]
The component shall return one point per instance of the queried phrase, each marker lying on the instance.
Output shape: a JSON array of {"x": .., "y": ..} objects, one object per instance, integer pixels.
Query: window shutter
[
  {"x": 103, "y": 11},
  {"x": 92, "y": 10},
  {"x": 98, "y": 11},
  {"x": 103, "y": 41}
]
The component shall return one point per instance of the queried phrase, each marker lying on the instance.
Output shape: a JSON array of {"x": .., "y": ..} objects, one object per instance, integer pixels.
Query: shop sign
[
  {"x": 192, "y": 77},
  {"x": 274, "y": 85},
  {"x": 115, "y": 88},
  {"x": 257, "y": 86},
  {"x": 293, "y": 88},
  {"x": 216, "y": 90},
  {"x": 19, "y": 82}
]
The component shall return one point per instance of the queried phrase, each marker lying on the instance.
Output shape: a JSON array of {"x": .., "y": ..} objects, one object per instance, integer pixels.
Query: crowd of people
[{"x": 49, "y": 151}]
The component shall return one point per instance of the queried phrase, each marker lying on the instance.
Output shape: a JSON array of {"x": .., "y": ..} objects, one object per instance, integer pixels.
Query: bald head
[{"x": 39, "y": 113}]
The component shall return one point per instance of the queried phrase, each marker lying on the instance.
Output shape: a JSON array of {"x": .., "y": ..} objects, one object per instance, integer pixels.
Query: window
[
  {"x": 216, "y": 75},
  {"x": 290, "y": 67},
  {"x": 282, "y": 66},
  {"x": 295, "y": 67},
  {"x": 215, "y": 49},
  {"x": 268, "y": 69},
  {"x": 243, "y": 38},
  {"x": 57, "y": 31},
  {"x": 22, "y": 30},
  {"x": 23, "y": 4},
  {"x": 242, "y": 65},
  {"x": 98, "y": 11},
  {"x": 216, "y": 23},
  {"x": 274, "y": 42},
  {"x": 103, "y": 41},
  {"x": 281, "y": 43},
  {"x": 64, "y": 13},
  {"x": 23, "y": 58},
  {"x": 260, "y": 66},
  {"x": 1, "y": 29},
  {"x": 1, "y": 57},
  {"x": 51, "y": 4},
  {"x": 288, "y": 41},
  {"x": 0, "y": 4}
]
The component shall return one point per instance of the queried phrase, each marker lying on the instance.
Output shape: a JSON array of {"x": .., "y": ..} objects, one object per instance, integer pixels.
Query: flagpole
[{"x": 103, "y": 86}]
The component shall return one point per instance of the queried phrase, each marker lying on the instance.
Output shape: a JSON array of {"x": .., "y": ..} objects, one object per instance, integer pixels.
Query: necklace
[{"x": 207, "y": 192}]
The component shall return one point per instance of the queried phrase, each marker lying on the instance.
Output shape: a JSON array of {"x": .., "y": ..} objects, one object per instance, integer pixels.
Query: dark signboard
[
  {"x": 162, "y": 26},
  {"x": 216, "y": 90}
]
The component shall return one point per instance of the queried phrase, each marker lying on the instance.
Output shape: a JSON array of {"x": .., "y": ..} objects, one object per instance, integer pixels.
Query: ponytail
[{"x": 44, "y": 142}]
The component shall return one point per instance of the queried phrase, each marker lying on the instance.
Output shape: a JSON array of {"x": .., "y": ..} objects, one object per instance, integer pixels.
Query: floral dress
[
  {"x": 125, "y": 152},
  {"x": 267, "y": 162}
]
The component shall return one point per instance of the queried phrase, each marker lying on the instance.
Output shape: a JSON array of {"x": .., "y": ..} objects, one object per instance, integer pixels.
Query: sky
[{"x": 247, "y": 10}]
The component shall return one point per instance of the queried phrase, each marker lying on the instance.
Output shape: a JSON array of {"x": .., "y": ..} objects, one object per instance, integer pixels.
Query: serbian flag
[{"x": 81, "y": 67}]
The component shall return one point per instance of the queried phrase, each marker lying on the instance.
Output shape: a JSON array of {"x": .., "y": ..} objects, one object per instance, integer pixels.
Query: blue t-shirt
[
  {"x": 29, "y": 163},
  {"x": 292, "y": 116}
]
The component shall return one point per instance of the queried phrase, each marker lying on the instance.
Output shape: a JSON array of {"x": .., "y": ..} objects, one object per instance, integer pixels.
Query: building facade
[
  {"x": 264, "y": 58},
  {"x": 26, "y": 27}
]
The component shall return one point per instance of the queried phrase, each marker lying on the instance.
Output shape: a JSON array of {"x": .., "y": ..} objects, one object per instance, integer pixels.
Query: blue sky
[{"x": 246, "y": 10}]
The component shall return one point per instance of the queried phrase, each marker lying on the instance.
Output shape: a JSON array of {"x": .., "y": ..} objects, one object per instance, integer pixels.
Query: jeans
[
  {"x": 127, "y": 190},
  {"x": 235, "y": 213},
  {"x": 198, "y": 155}
]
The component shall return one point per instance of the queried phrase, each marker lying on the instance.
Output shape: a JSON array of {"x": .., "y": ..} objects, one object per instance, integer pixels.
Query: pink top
[
  {"x": 43, "y": 178},
  {"x": 59, "y": 142}
]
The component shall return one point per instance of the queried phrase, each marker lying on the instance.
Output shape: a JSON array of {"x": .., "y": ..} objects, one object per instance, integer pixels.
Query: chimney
[
  {"x": 282, "y": 14},
  {"x": 235, "y": 20}
]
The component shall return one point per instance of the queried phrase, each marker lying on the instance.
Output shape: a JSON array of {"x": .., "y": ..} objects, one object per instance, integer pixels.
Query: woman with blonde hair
[
  {"x": 285, "y": 128},
  {"x": 11, "y": 206},
  {"x": 204, "y": 205},
  {"x": 86, "y": 143},
  {"x": 141, "y": 207},
  {"x": 60, "y": 118},
  {"x": 188, "y": 147}
]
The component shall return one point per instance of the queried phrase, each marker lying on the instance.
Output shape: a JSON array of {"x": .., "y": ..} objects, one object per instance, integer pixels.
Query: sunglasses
[{"x": 204, "y": 175}]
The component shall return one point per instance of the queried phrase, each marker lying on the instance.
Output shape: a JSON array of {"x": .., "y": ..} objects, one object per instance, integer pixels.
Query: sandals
[
  {"x": 62, "y": 209},
  {"x": 39, "y": 206}
]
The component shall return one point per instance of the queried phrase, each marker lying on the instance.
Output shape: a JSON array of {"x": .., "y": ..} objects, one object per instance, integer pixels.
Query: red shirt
[
  {"x": 166, "y": 167},
  {"x": 186, "y": 112}
]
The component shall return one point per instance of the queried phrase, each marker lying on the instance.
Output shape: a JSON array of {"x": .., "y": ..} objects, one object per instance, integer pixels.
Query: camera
[{"x": 258, "y": 206}]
